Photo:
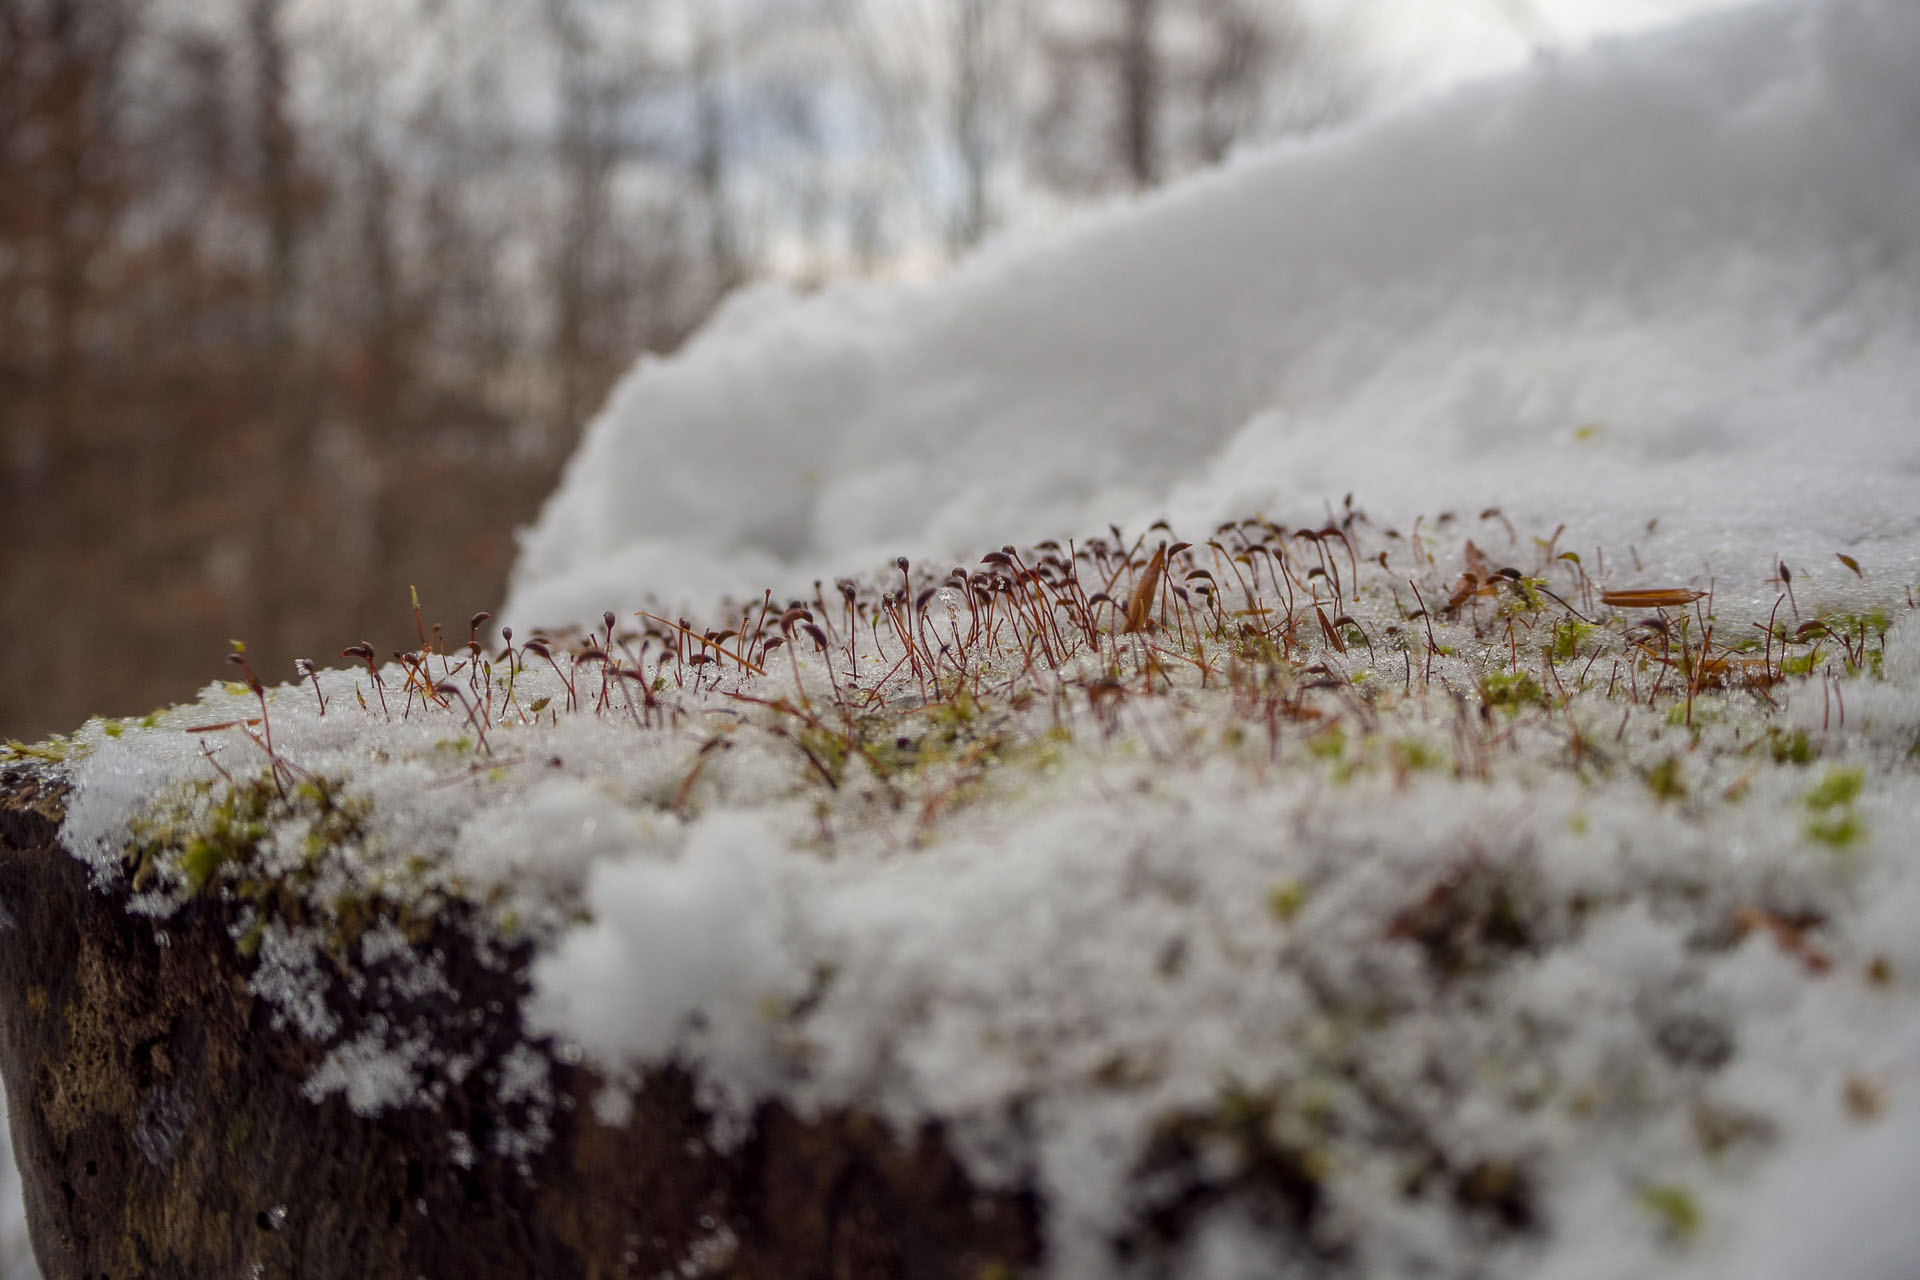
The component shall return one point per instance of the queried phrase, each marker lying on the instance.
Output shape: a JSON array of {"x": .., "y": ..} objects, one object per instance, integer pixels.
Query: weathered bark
[{"x": 161, "y": 1129}]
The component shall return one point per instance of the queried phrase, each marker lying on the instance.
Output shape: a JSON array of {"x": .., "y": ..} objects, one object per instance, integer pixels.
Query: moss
[
  {"x": 1511, "y": 690},
  {"x": 1790, "y": 747},
  {"x": 1834, "y": 821},
  {"x": 1285, "y": 900},
  {"x": 248, "y": 943},
  {"x": 1674, "y": 1207},
  {"x": 1412, "y": 754},
  {"x": 1572, "y": 637},
  {"x": 1840, "y": 831},
  {"x": 1839, "y": 788},
  {"x": 1666, "y": 780},
  {"x": 1524, "y": 596},
  {"x": 57, "y": 749},
  {"x": 207, "y": 838}
]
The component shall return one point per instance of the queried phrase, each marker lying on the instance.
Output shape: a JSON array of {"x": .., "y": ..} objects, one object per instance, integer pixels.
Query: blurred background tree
[{"x": 303, "y": 302}]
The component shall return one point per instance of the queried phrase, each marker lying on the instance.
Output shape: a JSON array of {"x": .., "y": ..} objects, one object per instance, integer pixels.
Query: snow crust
[{"x": 1664, "y": 293}]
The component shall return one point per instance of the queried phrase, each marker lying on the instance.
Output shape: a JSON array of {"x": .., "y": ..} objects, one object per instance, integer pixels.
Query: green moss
[
  {"x": 55, "y": 750},
  {"x": 1839, "y": 788},
  {"x": 1524, "y": 596},
  {"x": 1411, "y": 753},
  {"x": 248, "y": 943},
  {"x": 201, "y": 860},
  {"x": 1674, "y": 1207},
  {"x": 1511, "y": 690},
  {"x": 1571, "y": 637},
  {"x": 1839, "y": 831},
  {"x": 1666, "y": 780},
  {"x": 206, "y": 838},
  {"x": 1791, "y": 748},
  {"x": 830, "y": 751},
  {"x": 1286, "y": 899}
]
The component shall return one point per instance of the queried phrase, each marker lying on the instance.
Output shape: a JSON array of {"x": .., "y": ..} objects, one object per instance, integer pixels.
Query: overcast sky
[{"x": 1446, "y": 39}]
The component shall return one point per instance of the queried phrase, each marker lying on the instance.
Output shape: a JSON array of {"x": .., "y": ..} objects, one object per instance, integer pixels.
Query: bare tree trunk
[
  {"x": 1139, "y": 93},
  {"x": 712, "y": 160},
  {"x": 584, "y": 173},
  {"x": 275, "y": 141},
  {"x": 969, "y": 121},
  {"x": 283, "y": 488}
]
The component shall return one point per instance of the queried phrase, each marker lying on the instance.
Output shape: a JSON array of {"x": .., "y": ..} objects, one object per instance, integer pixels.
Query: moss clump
[
  {"x": 1512, "y": 690},
  {"x": 1571, "y": 638},
  {"x": 1790, "y": 748},
  {"x": 1839, "y": 788},
  {"x": 58, "y": 749},
  {"x": 1666, "y": 780},
  {"x": 210, "y": 837},
  {"x": 1834, "y": 821},
  {"x": 1840, "y": 831},
  {"x": 1286, "y": 899},
  {"x": 1411, "y": 754},
  {"x": 1674, "y": 1207}
]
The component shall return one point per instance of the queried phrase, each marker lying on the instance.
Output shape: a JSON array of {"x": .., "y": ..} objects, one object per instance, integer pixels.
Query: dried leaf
[
  {"x": 1470, "y": 585},
  {"x": 1651, "y": 597},
  {"x": 1140, "y": 603},
  {"x": 1326, "y": 629},
  {"x": 1790, "y": 937},
  {"x": 224, "y": 724}
]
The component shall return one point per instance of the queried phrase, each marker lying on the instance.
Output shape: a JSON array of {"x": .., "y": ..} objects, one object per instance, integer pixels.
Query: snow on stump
[{"x": 164, "y": 1126}]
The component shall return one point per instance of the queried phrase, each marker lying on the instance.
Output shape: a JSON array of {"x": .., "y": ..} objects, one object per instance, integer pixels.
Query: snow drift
[{"x": 1671, "y": 277}]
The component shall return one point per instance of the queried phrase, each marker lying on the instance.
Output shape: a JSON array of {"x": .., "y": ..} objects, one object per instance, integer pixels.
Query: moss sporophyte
[{"x": 923, "y": 681}]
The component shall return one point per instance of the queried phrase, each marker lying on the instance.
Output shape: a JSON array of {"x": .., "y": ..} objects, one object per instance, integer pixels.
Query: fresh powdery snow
[
  {"x": 1669, "y": 277},
  {"x": 1423, "y": 784}
]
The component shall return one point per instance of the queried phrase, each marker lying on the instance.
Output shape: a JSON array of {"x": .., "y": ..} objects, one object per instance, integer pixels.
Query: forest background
[{"x": 303, "y": 302}]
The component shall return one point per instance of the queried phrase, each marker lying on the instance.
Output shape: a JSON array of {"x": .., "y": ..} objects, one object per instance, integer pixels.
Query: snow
[
  {"x": 672, "y": 940},
  {"x": 1601, "y": 986},
  {"x": 1574, "y": 293}
]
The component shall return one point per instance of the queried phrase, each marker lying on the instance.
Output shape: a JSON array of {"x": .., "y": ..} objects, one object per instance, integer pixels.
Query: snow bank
[{"x": 1672, "y": 277}]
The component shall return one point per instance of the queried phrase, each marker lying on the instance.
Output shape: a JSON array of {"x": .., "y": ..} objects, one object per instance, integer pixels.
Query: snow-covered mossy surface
[
  {"x": 172, "y": 1121},
  {"x": 1379, "y": 901},
  {"x": 1508, "y": 872}
]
